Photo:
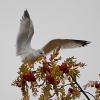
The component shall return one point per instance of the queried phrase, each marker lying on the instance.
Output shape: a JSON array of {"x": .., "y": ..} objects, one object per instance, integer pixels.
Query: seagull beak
[{"x": 44, "y": 56}]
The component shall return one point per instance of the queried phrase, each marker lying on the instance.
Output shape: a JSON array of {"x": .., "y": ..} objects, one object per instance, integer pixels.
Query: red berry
[
  {"x": 97, "y": 85},
  {"x": 18, "y": 83},
  {"x": 45, "y": 69},
  {"x": 71, "y": 90},
  {"x": 28, "y": 76},
  {"x": 64, "y": 68},
  {"x": 50, "y": 79}
]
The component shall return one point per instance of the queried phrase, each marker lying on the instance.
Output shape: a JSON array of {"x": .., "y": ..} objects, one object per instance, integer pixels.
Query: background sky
[{"x": 77, "y": 19}]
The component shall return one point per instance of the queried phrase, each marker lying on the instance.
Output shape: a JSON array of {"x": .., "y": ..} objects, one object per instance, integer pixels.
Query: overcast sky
[{"x": 77, "y": 19}]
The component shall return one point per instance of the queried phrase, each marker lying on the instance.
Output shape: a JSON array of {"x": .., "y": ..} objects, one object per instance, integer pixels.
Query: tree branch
[{"x": 80, "y": 88}]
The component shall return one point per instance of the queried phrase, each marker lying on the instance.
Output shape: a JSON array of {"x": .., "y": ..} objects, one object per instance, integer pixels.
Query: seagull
[{"x": 26, "y": 32}]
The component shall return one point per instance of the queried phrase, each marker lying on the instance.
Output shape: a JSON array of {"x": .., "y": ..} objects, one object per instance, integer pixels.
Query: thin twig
[
  {"x": 80, "y": 88},
  {"x": 66, "y": 85},
  {"x": 52, "y": 95},
  {"x": 90, "y": 94}
]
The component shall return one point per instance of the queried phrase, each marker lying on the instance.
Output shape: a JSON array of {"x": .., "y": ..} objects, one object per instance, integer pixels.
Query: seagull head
[{"x": 40, "y": 52}]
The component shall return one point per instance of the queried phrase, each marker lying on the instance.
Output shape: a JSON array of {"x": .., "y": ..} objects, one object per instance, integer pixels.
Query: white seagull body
[{"x": 23, "y": 43}]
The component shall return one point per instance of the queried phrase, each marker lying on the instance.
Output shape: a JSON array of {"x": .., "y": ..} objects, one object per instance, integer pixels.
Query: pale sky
[{"x": 77, "y": 19}]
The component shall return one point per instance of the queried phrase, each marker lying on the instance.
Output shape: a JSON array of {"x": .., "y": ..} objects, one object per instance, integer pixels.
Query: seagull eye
[{"x": 41, "y": 53}]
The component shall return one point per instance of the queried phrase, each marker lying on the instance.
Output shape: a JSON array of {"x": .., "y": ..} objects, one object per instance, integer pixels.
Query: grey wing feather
[
  {"x": 25, "y": 34},
  {"x": 63, "y": 44}
]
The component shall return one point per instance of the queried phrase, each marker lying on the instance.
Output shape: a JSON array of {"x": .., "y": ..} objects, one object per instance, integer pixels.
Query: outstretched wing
[
  {"x": 63, "y": 44},
  {"x": 26, "y": 32}
]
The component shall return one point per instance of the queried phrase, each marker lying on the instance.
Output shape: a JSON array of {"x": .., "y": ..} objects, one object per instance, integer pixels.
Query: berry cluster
[
  {"x": 64, "y": 68},
  {"x": 28, "y": 76}
]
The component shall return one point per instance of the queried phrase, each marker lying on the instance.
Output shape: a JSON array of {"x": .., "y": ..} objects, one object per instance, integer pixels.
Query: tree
[{"x": 55, "y": 78}]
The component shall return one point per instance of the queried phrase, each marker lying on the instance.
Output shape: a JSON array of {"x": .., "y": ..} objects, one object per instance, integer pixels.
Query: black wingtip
[
  {"x": 26, "y": 14},
  {"x": 82, "y": 42},
  {"x": 85, "y": 43}
]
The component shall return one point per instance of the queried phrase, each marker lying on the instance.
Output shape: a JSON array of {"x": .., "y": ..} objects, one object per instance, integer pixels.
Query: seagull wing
[
  {"x": 26, "y": 32},
  {"x": 63, "y": 44}
]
